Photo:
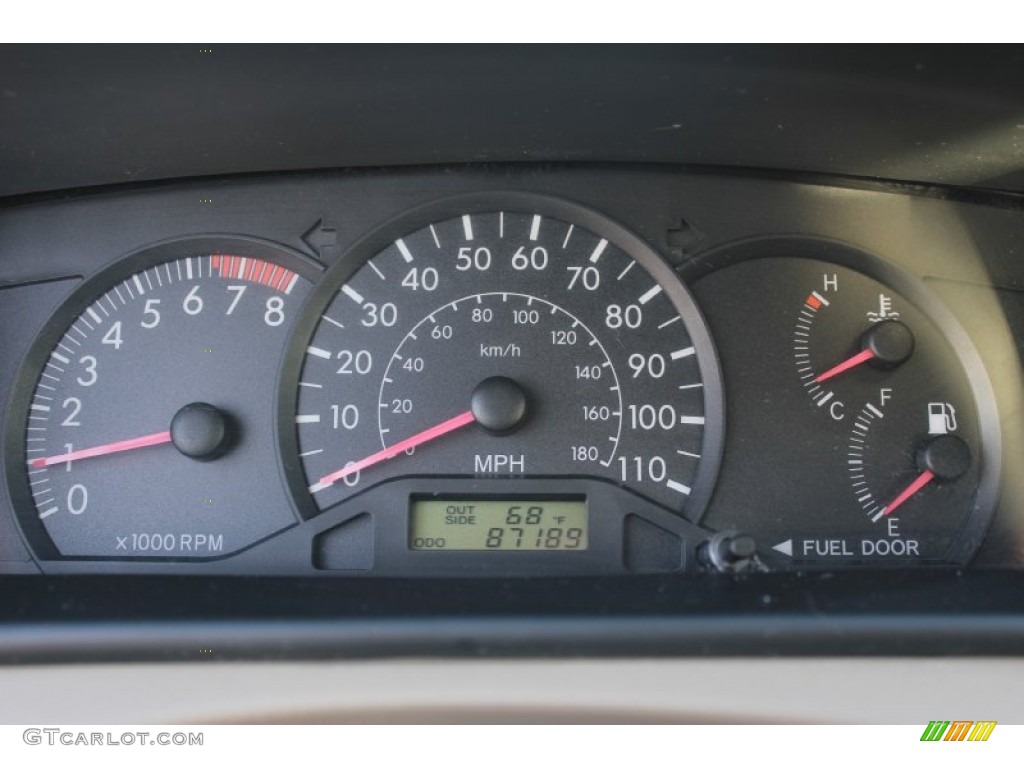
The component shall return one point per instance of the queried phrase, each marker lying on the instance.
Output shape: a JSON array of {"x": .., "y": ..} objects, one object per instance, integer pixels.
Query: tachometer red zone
[{"x": 254, "y": 271}]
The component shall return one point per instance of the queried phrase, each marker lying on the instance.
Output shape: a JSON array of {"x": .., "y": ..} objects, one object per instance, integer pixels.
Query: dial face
[
  {"x": 506, "y": 344},
  {"x": 861, "y": 384},
  {"x": 148, "y": 431}
]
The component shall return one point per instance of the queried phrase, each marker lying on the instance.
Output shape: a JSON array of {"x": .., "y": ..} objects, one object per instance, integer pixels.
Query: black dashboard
[{"x": 558, "y": 388}]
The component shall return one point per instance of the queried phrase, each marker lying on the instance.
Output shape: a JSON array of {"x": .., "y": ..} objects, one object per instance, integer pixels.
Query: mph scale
[{"x": 518, "y": 341}]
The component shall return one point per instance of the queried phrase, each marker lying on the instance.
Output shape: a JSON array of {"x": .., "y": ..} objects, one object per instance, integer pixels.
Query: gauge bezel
[
  {"x": 512, "y": 202},
  {"x": 32, "y": 529},
  {"x": 911, "y": 286}
]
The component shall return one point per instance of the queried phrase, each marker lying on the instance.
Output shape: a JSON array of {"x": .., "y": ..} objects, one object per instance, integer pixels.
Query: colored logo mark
[{"x": 958, "y": 730}]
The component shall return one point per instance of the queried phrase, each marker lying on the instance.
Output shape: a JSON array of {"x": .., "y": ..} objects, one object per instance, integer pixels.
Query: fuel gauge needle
[
  {"x": 922, "y": 480},
  {"x": 157, "y": 438},
  {"x": 420, "y": 438}
]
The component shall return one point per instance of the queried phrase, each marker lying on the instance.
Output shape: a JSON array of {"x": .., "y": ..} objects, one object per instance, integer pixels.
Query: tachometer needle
[
  {"x": 158, "y": 438},
  {"x": 389, "y": 453},
  {"x": 922, "y": 480},
  {"x": 853, "y": 362}
]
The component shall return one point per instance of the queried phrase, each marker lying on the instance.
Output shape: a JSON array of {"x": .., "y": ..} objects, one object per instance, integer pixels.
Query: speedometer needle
[
  {"x": 157, "y": 438},
  {"x": 389, "y": 453}
]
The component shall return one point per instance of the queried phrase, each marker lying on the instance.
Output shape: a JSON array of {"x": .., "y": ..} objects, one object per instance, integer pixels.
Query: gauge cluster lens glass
[{"x": 507, "y": 344}]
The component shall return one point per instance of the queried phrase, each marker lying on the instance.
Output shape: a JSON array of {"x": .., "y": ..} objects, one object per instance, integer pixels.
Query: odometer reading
[
  {"x": 508, "y": 345},
  {"x": 490, "y": 525}
]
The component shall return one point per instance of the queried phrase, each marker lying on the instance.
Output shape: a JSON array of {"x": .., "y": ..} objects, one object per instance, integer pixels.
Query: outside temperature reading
[{"x": 510, "y": 525}]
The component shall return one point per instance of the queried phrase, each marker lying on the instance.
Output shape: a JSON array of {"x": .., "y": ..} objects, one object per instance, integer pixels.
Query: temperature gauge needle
[
  {"x": 853, "y": 362},
  {"x": 389, "y": 453},
  {"x": 922, "y": 480},
  {"x": 888, "y": 343},
  {"x": 157, "y": 438}
]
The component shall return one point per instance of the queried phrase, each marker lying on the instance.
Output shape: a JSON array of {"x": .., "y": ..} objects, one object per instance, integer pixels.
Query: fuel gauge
[{"x": 869, "y": 400}]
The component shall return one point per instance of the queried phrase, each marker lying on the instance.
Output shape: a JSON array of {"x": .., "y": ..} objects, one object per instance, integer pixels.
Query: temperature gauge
[{"x": 869, "y": 399}]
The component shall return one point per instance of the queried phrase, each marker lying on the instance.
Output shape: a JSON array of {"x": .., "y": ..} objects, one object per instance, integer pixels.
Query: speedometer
[{"x": 509, "y": 338}]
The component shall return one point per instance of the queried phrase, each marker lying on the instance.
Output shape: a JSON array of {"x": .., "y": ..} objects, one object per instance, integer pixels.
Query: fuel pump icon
[{"x": 941, "y": 418}]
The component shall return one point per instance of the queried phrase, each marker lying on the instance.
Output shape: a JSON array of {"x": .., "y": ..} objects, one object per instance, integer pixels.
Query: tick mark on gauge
[
  {"x": 352, "y": 293},
  {"x": 691, "y": 419},
  {"x": 404, "y": 250},
  {"x": 816, "y": 300},
  {"x": 598, "y": 251},
  {"x": 467, "y": 227},
  {"x": 317, "y": 352},
  {"x": 669, "y": 322},
  {"x": 678, "y": 487},
  {"x": 567, "y": 236},
  {"x": 308, "y": 418},
  {"x": 535, "y": 227},
  {"x": 650, "y": 294},
  {"x": 679, "y": 354},
  {"x": 374, "y": 268},
  {"x": 332, "y": 321}
]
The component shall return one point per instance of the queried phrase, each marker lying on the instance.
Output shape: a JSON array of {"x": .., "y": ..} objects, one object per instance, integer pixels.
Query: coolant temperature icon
[
  {"x": 941, "y": 418},
  {"x": 885, "y": 310}
]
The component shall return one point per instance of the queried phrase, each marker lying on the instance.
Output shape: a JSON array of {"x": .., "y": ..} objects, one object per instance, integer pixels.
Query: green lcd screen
[{"x": 505, "y": 525}]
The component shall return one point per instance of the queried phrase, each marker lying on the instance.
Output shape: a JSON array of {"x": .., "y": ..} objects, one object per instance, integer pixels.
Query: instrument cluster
[{"x": 508, "y": 383}]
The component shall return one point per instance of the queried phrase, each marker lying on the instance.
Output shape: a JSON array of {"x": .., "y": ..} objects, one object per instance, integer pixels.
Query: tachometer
[
  {"x": 510, "y": 338},
  {"x": 144, "y": 424}
]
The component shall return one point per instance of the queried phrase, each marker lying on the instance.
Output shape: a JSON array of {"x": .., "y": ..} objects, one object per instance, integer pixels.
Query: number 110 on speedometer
[{"x": 531, "y": 339}]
